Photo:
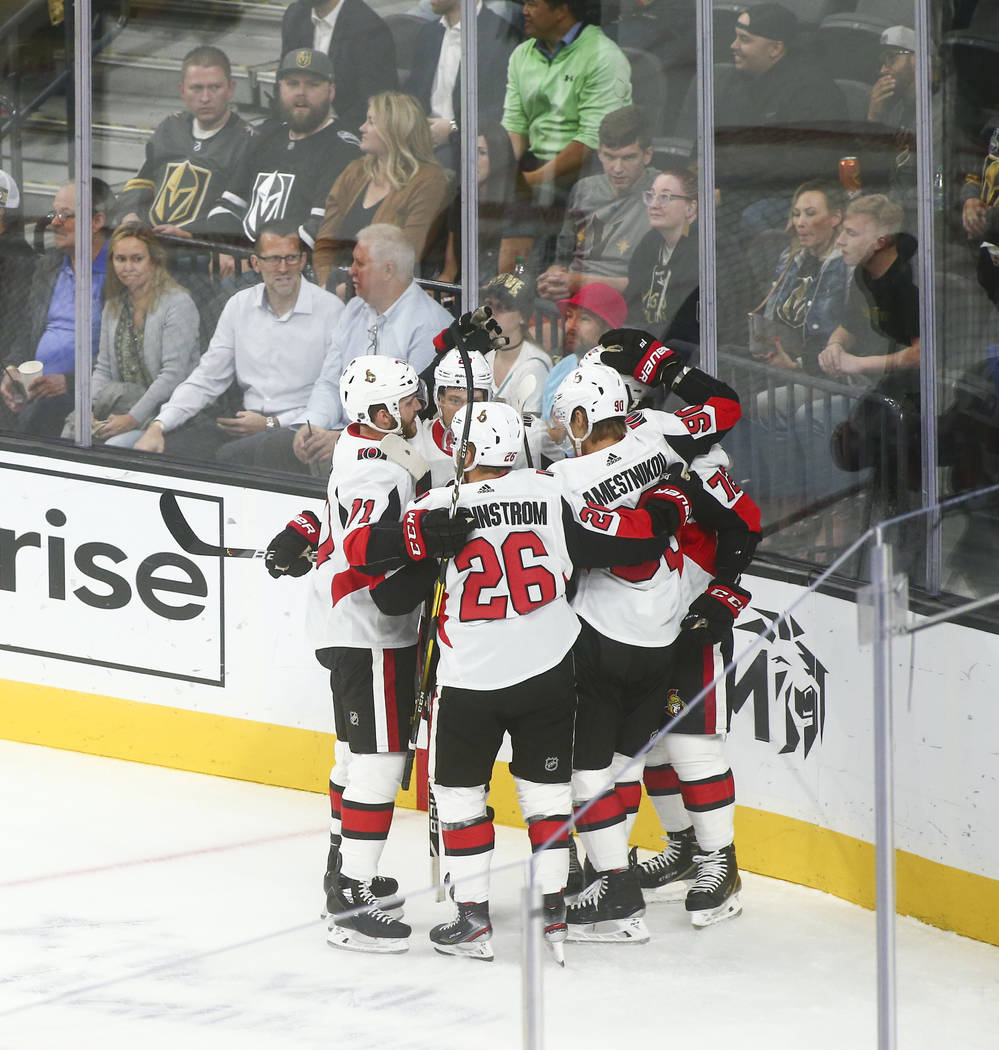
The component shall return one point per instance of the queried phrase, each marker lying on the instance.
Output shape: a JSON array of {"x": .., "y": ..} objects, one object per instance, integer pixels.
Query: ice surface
[{"x": 148, "y": 908}]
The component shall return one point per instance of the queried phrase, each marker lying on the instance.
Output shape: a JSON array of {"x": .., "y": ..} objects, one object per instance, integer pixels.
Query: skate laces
[
  {"x": 592, "y": 893},
  {"x": 364, "y": 897},
  {"x": 711, "y": 870},
  {"x": 662, "y": 860}
]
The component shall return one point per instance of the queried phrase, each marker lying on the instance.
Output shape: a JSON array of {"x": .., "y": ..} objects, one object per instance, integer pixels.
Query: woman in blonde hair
[
  {"x": 149, "y": 338},
  {"x": 396, "y": 181}
]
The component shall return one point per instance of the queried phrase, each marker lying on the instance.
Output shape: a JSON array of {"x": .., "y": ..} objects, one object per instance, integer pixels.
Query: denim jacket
[{"x": 823, "y": 311}]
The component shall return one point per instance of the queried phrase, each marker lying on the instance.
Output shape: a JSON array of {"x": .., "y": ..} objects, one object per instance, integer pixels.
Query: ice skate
[
  {"x": 468, "y": 934},
  {"x": 555, "y": 929},
  {"x": 371, "y": 930},
  {"x": 668, "y": 875},
  {"x": 610, "y": 909},
  {"x": 386, "y": 889},
  {"x": 714, "y": 895},
  {"x": 574, "y": 882}
]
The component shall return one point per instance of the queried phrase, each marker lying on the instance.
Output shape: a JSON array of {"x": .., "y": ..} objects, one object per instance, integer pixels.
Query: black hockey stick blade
[{"x": 178, "y": 527}]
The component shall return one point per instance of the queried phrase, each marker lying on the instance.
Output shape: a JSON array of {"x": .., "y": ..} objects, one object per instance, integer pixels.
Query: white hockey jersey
[{"x": 365, "y": 487}]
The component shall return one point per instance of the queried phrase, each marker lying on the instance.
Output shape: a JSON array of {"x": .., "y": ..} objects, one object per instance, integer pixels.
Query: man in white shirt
[
  {"x": 390, "y": 316},
  {"x": 270, "y": 339}
]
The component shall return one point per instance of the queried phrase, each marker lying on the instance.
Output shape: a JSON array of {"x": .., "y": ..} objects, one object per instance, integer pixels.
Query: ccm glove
[
  {"x": 635, "y": 353},
  {"x": 478, "y": 330},
  {"x": 669, "y": 505},
  {"x": 434, "y": 534},
  {"x": 290, "y": 552},
  {"x": 714, "y": 611}
]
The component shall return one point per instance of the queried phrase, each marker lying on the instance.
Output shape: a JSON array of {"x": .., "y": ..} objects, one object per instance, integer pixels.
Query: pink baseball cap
[{"x": 601, "y": 300}]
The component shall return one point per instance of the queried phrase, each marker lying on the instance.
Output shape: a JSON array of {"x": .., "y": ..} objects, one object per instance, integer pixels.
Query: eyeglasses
[
  {"x": 889, "y": 54},
  {"x": 663, "y": 198},
  {"x": 63, "y": 215},
  {"x": 276, "y": 260}
]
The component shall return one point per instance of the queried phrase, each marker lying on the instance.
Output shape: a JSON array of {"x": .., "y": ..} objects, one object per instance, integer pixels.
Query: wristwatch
[{"x": 272, "y": 423}]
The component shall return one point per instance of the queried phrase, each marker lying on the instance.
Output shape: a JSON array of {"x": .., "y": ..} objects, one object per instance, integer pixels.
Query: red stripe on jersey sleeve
[
  {"x": 355, "y": 546},
  {"x": 632, "y": 524},
  {"x": 350, "y": 580},
  {"x": 699, "y": 545},
  {"x": 727, "y": 412}
]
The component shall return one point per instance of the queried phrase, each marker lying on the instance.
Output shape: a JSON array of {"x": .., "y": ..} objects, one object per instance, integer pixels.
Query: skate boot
[
  {"x": 609, "y": 909},
  {"x": 667, "y": 876},
  {"x": 714, "y": 895},
  {"x": 574, "y": 882},
  {"x": 371, "y": 930},
  {"x": 555, "y": 928},
  {"x": 468, "y": 934},
  {"x": 382, "y": 886}
]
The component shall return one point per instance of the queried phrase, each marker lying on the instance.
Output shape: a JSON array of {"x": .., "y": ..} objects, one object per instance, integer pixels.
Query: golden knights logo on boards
[{"x": 181, "y": 195}]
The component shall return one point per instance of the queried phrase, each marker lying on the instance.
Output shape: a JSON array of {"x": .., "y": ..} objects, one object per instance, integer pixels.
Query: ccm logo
[
  {"x": 412, "y": 534},
  {"x": 651, "y": 363},
  {"x": 730, "y": 598}
]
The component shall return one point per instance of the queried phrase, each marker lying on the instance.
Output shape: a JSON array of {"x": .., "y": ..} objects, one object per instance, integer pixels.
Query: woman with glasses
[
  {"x": 149, "y": 338},
  {"x": 397, "y": 181},
  {"x": 662, "y": 275}
]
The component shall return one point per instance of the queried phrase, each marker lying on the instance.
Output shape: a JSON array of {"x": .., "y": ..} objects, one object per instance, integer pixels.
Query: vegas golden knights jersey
[{"x": 183, "y": 175}]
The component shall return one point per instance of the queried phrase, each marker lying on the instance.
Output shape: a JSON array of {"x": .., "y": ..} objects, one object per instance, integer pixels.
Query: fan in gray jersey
[{"x": 505, "y": 592}]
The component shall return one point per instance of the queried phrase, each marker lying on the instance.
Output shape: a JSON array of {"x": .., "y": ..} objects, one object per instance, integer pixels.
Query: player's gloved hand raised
[
  {"x": 712, "y": 614},
  {"x": 635, "y": 353},
  {"x": 290, "y": 552},
  {"x": 434, "y": 534},
  {"x": 477, "y": 330},
  {"x": 670, "y": 504}
]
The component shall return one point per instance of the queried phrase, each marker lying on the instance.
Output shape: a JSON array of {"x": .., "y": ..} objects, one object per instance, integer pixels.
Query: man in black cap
[{"x": 295, "y": 160}]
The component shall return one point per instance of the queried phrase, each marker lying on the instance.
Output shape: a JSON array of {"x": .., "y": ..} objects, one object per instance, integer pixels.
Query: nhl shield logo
[
  {"x": 674, "y": 705},
  {"x": 355, "y": 719},
  {"x": 551, "y": 764}
]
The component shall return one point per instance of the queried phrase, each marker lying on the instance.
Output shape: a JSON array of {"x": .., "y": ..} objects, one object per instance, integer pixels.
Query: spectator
[
  {"x": 510, "y": 299},
  {"x": 662, "y": 274},
  {"x": 980, "y": 194},
  {"x": 17, "y": 261},
  {"x": 588, "y": 314},
  {"x": 149, "y": 338},
  {"x": 505, "y": 231},
  {"x": 192, "y": 156},
  {"x": 397, "y": 181},
  {"x": 51, "y": 313},
  {"x": 288, "y": 172},
  {"x": 805, "y": 303},
  {"x": 606, "y": 217},
  {"x": 390, "y": 315},
  {"x": 560, "y": 84},
  {"x": 435, "y": 78},
  {"x": 358, "y": 43},
  {"x": 270, "y": 340}
]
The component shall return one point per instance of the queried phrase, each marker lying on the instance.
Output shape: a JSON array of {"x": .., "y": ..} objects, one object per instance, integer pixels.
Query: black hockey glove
[
  {"x": 290, "y": 553},
  {"x": 669, "y": 505},
  {"x": 635, "y": 353},
  {"x": 478, "y": 330},
  {"x": 711, "y": 614},
  {"x": 433, "y": 534}
]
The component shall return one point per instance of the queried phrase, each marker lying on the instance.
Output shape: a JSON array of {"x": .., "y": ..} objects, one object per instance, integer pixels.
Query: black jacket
[
  {"x": 362, "y": 52},
  {"x": 496, "y": 40}
]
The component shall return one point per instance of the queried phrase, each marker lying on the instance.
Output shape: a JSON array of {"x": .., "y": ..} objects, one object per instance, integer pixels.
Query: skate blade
[
  {"x": 352, "y": 941},
  {"x": 611, "y": 931},
  {"x": 730, "y": 909},
  {"x": 558, "y": 952},
  {"x": 481, "y": 950},
  {"x": 671, "y": 893}
]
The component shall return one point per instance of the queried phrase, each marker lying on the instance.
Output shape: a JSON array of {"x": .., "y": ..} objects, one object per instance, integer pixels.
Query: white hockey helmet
[
  {"x": 451, "y": 372},
  {"x": 371, "y": 380},
  {"x": 496, "y": 431},
  {"x": 636, "y": 391},
  {"x": 597, "y": 389}
]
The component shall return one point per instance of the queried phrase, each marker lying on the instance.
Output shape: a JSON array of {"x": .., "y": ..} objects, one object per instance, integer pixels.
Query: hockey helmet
[
  {"x": 451, "y": 372},
  {"x": 496, "y": 430},
  {"x": 636, "y": 391},
  {"x": 597, "y": 389},
  {"x": 371, "y": 380}
]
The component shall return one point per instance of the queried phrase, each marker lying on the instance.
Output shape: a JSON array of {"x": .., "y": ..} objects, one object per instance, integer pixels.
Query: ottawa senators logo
[
  {"x": 674, "y": 705},
  {"x": 481, "y": 417},
  {"x": 369, "y": 376}
]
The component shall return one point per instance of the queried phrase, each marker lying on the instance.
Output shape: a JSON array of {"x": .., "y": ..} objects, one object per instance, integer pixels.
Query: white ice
[{"x": 146, "y": 908}]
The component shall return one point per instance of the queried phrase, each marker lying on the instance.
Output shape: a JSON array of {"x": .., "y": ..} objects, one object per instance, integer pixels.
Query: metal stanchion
[{"x": 532, "y": 964}]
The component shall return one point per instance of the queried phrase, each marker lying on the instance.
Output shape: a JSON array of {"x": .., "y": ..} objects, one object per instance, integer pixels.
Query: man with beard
[{"x": 295, "y": 161}]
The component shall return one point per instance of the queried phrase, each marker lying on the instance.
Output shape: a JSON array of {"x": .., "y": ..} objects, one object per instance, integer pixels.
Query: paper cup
[{"x": 29, "y": 372}]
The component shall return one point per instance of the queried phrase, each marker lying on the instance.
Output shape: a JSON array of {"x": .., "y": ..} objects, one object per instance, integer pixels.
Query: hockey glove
[
  {"x": 669, "y": 505},
  {"x": 712, "y": 613},
  {"x": 477, "y": 331},
  {"x": 290, "y": 552},
  {"x": 433, "y": 534},
  {"x": 635, "y": 353}
]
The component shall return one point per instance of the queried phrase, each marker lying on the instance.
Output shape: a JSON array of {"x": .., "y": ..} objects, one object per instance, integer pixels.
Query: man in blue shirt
[{"x": 50, "y": 334}]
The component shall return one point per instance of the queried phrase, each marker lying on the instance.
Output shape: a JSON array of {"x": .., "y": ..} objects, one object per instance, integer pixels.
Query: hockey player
[
  {"x": 371, "y": 656},
  {"x": 630, "y": 616},
  {"x": 506, "y": 593}
]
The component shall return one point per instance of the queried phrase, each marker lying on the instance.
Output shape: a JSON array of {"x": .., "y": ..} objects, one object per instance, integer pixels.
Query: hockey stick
[
  {"x": 525, "y": 388},
  {"x": 184, "y": 535}
]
